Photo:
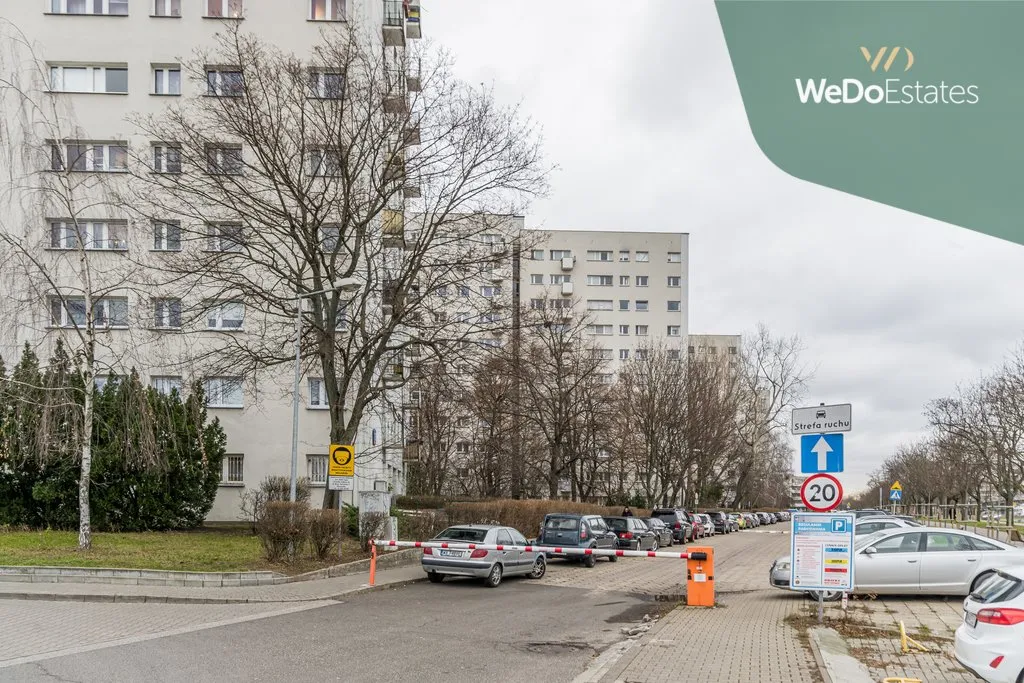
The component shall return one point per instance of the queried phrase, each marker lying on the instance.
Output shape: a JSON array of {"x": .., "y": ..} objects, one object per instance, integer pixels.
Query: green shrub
[{"x": 525, "y": 515}]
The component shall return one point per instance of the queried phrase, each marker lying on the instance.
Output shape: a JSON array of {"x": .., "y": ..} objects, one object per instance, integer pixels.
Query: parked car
[
  {"x": 783, "y": 516},
  {"x": 679, "y": 521},
  {"x": 709, "y": 524},
  {"x": 577, "y": 531},
  {"x": 753, "y": 521},
  {"x": 633, "y": 533},
  {"x": 869, "y": 525},
  {"x": 763, "y": 517},
  {"x": 869, "y": 512},
  {"x": 489, "y": 565},
  {"x": 988, "y": 642},
  {"x": 720, "y": 522},
  {"x": 661, "y": 530},
  {"x": 739, "y": 520},
  {"x": 734, "y": 522},
  {"x": 912, "y": 561}
]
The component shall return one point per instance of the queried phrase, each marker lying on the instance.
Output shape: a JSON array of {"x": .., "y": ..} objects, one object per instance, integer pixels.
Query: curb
[{"x": 819, "y": 661}]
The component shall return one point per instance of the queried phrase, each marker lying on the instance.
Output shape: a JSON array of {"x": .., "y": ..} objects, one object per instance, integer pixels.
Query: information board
[{"x": 822, "y": 551}]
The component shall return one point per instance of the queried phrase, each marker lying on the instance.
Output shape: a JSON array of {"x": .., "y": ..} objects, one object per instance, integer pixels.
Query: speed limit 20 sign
[{"x": 821, "y": 493}]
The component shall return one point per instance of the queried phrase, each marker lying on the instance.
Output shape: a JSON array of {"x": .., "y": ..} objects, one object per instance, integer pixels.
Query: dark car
[
  {"x": 633, "y": 533},
  {"x": 661, "y": 530},
  {"x": 678, "y": 520},
  {"x": 720, "y": 521},
  {"x": 577, "y": 531}
]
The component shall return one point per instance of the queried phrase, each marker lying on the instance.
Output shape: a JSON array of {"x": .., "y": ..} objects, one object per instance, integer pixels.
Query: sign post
[
  {"x": 821, "y": 554},
  {"x": 341, "y": 468}
]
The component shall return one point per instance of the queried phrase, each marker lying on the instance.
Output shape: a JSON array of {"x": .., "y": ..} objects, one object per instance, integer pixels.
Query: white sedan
[
  {"x": 990, "y": 642},
  {"x": 919, "y": 560}
]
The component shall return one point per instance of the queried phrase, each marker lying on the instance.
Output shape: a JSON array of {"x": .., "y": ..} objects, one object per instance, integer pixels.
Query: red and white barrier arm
[{"x": 541, "y": 549}]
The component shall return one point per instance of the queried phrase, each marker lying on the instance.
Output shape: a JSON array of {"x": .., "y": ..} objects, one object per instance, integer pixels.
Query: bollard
[
  {"x": 700, "y": 577},
  {"x": 373, "y": 562}
]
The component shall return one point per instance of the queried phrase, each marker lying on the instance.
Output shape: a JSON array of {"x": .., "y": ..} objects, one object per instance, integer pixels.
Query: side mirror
[{"x": 870, "y": 551}]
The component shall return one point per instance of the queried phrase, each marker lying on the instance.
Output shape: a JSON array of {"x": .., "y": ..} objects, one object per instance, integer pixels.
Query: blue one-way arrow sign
[{"x": 821, "y": 453}]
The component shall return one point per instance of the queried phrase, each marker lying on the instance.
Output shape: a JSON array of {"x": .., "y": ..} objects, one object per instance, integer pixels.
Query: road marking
[{"x": 53, "y": 654}]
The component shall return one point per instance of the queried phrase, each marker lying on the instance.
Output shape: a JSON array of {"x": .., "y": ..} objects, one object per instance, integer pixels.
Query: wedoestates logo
[{"x": 891, "y": 91}]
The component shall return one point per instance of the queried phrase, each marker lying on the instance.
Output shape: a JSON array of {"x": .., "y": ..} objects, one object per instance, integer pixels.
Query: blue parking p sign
[{"x": 821, "y": 453}]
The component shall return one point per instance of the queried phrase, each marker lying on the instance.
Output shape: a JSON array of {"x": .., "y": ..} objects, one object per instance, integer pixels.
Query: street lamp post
[{"x": 348, "y": 284}]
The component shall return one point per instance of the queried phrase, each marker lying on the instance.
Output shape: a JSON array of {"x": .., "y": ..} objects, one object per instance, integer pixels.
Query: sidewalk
[{"x": 303, "y": 591}]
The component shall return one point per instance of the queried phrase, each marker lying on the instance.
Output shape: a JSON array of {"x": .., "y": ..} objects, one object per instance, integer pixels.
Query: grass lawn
[{"x": 208, "y": 550}]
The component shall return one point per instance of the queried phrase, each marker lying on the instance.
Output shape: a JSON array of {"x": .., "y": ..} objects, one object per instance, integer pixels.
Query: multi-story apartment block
[
  {"x": 710, "y": 346},
  {"x": 633, "y": 286},
  {"x": 103, "y": 62}
]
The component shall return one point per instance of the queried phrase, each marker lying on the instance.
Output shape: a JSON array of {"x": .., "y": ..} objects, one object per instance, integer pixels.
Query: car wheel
[
  {"x": 540, "y": 568},
  {"x": 655, "y": 547},
  {"x": 434, "y": 577},
  {"x": 829, "y": 596},
  {"x": 589, "y": 561},
  {"x": 494, "y": 578}
]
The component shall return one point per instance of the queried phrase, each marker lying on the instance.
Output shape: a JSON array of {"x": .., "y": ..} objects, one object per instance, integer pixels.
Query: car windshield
[
  {"x": 459, "y": 533},
  {"x": 562, "y": 523},
  {"x": 617, "y": 523},
  {"x": 867, "y": 539},
  {"x": 999, "y": 587}
]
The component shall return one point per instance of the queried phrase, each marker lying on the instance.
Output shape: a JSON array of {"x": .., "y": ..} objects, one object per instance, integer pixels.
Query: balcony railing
[{"x": 394, "y": 13}]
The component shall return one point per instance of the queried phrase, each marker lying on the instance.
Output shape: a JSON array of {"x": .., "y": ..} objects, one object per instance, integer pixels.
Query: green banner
[{"x": 918, "y": 104}]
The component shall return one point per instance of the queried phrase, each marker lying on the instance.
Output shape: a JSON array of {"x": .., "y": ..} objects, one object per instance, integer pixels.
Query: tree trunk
[{"x": 85, "y": 474}]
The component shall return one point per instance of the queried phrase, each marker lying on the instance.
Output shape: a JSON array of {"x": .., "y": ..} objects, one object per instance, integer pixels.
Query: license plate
[
  {"x": 971, "y": 619},
  {"x": 451, "y": 553}
]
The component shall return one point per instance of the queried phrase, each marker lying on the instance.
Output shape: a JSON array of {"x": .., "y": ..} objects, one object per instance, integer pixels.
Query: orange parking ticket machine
[{"x": 700, "y": 577}]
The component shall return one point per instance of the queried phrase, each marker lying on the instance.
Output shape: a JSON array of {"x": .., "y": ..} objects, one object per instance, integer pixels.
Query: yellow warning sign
[
  {"x": 342, "y": 462},
  {"x": 896, "y": 487}
]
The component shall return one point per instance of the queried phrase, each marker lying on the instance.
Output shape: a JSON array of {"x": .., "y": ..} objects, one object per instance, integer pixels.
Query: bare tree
[
  {"x": 299, "y": 173},
  {"x": 435, "y": 407}
]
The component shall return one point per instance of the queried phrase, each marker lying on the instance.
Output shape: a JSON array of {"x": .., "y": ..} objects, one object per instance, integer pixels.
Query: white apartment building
[
  {"x": 107, "y": 59},
  {"x": 633, "y": 286},
  {"x": 723, "y": 346}
]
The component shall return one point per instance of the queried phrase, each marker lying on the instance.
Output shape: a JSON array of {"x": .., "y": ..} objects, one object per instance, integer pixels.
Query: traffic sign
[
  {"x": 342, "y": 462},
  {"x": 821, "y": 493},
  {"x": 822, "y": 419},
  {"x": 821, "y": 551},
  {"x": 896, "y": 487},
  {"x": 821, "y": 453},
  {"x": 895, "y": 494}
]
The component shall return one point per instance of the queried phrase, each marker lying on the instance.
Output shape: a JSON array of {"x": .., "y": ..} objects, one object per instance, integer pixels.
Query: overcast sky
[{"x": 642, "y": 114}]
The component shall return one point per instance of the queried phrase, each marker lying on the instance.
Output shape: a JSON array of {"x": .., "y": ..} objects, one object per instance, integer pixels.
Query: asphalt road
[{"x": 456, "y": 631}]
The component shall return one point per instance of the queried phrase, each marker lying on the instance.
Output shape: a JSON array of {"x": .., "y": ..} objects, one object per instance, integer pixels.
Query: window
[
  {"x": 599, "y": 305},
  {"x": 691, "y": 349},
  {"x": 537, "y": 304},
  {"x": 166, "y": 8},
  {"x": 673, "y": 330},
  {"x": 643, "y": 257},
  {"x": 463, "y": 291},
  {"x": 224, "y": 392},
  {"x": 224, "y": 237},
  {"x": 623, "y": 304},
  {"x": 167, "y": 80},
  {"x": 603, "y": 354},
  {"x": 229, "y": 315},
  {"x": 641, "y": 330},
  {"x": 623, "y": 354},
  {"x": 984, "y": 545},
  {"x": 624, "y": 256},
  {"x": 89, "y": 156},
  {"x": 326, "y": 162},
  {"x": 327, "y": 85},
  {"x": 166, "y": 159},
  {"x": 224, "y": 160},
  {"x": 94, "y": 79},
  {"x": 732, "y": 350},
  {"x": 599, "y": 280},
  {"x": 605, "y": 378},
  {"x": 106, "y": 312},
  {"x": 233, "y": 469},
  {"x": 559, "y": 304},
  {"x": 117, "y": 8},
  {"x": 599, "y": 256},
  {"x": 537, "y": 255},
  {"x": 490, "y": 291},
  {"x": 167, "y": 313},
  {"x": 623, "y": 281},
  {"x": 166, "y": 384},
  {"x": 673, "y": 354},
  {"x": 559, "y": 279},
  {"x": 98, "y": 235},
  {"x": 224, "y": 9},
  {"x": 462, "y": 448},
  {"x": 166, "y": 236},
  {"x": 536, "y": 279},
  {"x": 327, "y": 10},
  {"x": 100, "y": 381},
  {"x": 673, "y": 280},
  {"x": 642, "y": 305},
  {"x": 624, "y": 330},
  {"x": 317, "y": 393},
  {"x": 559, "y": 254},
  {"x": 225, "y": 82},
  {"x": 316, "y": 469},
  {"x": 938, "y": 542},
  {"x": 599, "y": 329},
  {"x": 674, "y": 306},
  {"x": 900, "y": 543},
  {"x": 641, "y": 354},
  {"x": 675, "y": 257},
  {"x": 641, "y": 280}
]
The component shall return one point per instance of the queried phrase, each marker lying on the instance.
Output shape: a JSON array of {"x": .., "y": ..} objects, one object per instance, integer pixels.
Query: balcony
[
  {"x": 568, "y": 263},
  {"x": 393, "y": 228},
  {"x": 411, "y": 452},
  {"x": 412, "y": 20},
  {"x": 394, "y": 23},
  {"x": 566, "y": 289},
  {"x": 395, "y": 104},
  {"x": 411, "y": 189},
  {"x": 412, "y": 135}
]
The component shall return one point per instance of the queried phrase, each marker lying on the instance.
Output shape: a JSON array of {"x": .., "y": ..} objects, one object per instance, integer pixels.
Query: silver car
[
  {"x": 917, "y": 560},
  {"x": 489, "y": 565}
]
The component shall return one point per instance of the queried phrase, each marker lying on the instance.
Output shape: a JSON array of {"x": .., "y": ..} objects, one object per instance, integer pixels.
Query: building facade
[{"x": 103, "y": 64}]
